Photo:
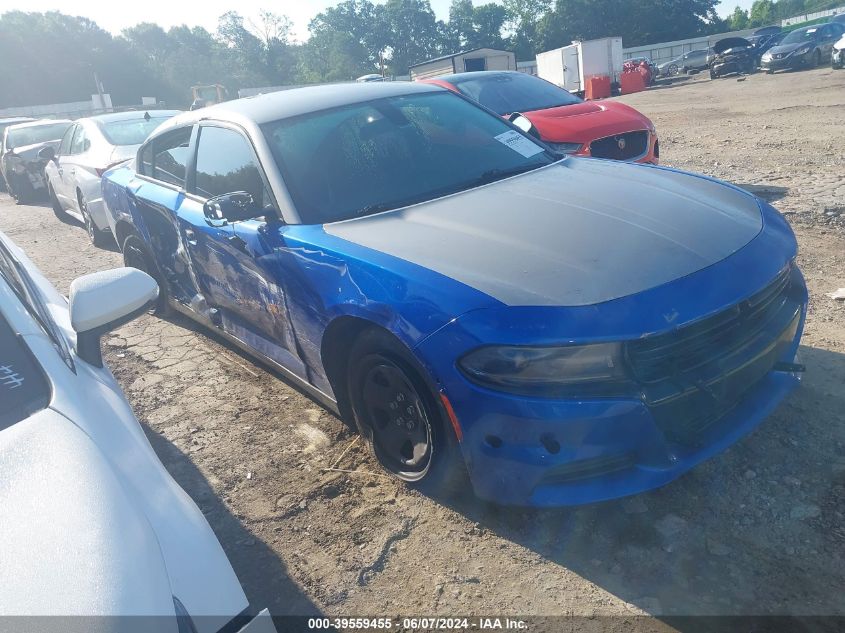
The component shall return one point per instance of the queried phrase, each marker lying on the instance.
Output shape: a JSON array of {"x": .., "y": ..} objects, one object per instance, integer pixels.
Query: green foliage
[
  {"x": 738, "y": 20},
  {"x": 52, "y": 57}
]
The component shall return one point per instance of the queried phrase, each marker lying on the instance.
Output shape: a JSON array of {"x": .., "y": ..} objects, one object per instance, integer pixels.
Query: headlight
[
  {"x": 802, "y": 51},
  {"x": 564, "y": 148},
  {"x": 766, "y": 57},
  {"x": 575, "y": 370},
  {"x": 19, "y": 168},
  {"x": 651, "y": 127}
]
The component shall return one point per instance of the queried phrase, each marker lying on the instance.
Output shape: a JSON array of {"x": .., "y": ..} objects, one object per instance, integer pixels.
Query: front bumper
[
  {"x": 651, "y": 155},
  {"x": 555, "y": 452},
  {"x": 784, "y": 63}
]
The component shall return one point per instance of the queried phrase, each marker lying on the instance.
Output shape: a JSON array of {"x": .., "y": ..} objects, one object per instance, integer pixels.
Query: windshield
[
  {"x": 130, "y": 131},
  {"x": 20, "y": 137},
  {"x": 513, "y": 92},
  {"x": 370, "y": 157},
  {"x": 800, "y": 35}
]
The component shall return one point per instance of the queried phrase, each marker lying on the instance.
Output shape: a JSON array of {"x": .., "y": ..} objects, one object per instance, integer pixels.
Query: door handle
[{"x": 192, "y": 238}]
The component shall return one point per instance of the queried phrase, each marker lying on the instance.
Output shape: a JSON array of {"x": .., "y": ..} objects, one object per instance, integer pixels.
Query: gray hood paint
[{"x": 580, "y": 232}]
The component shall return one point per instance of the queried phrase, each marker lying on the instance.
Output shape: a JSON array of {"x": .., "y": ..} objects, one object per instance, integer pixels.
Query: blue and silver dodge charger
[{"x": 554, "y": 330}]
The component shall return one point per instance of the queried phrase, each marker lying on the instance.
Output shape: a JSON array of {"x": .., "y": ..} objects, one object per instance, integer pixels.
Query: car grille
[
  {"x": 693, "y": 376},
  {"x": 625, "y": 146}
]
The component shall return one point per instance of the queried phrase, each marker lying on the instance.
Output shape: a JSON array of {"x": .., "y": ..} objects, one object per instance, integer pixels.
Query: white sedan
[
  {"x": 88, "y": 149},
  {"x": 91, "y": 523}
]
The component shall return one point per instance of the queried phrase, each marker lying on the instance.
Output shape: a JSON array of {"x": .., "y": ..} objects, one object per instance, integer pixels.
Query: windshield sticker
[{"x": 518, "y": 143}]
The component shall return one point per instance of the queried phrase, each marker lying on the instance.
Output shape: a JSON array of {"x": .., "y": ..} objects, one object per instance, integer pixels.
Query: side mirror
[
  {"x": 231, "y": 207},
  {"x": 47, "y": 153},
  {"x": 102, "y": 301},
  {"x": 521, "y": 121}
]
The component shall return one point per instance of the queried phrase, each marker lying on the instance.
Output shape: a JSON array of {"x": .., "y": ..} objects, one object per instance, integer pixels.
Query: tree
[
  {"x": 412, "y": 32},
  {"x": 523, "y": 20},
  {"x": 475, "y": 27},
  {"x": 762, "y": 13},
  {"x": 738, "y": 20}
]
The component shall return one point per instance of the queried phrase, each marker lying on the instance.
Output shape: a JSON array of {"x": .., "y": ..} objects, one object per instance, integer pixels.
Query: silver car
[{"x": 89, "y": 148}]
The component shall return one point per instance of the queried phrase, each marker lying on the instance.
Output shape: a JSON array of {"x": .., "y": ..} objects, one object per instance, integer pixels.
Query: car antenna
[{"x": 147, "y": 116}]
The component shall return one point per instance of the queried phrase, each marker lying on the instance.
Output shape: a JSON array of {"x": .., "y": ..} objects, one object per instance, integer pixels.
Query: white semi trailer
[{"x": 570, "y": 66}]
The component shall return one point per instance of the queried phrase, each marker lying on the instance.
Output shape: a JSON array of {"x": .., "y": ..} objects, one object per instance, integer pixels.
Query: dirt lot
[{"x": 757, "y": 530}]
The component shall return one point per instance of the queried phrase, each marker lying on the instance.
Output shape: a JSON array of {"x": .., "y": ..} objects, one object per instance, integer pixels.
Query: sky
[{"x": 116, "y": 15}]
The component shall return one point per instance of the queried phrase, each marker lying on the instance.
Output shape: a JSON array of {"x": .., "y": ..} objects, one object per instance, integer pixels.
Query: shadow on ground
[
  {"x": 262, "y": 574},
  {"x": 757, "y": 530},
  {"x": 769, "y": 193}
]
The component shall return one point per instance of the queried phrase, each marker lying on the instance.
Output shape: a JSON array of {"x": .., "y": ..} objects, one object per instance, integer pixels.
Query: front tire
[
  {"x": 136, "y": 255},
  {"x": 399, "y": 415},
  {"x": 817, "y": 58}
]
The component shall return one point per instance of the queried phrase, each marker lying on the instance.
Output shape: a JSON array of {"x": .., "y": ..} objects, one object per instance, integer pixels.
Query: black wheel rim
[{"x": 395, "y": 412}]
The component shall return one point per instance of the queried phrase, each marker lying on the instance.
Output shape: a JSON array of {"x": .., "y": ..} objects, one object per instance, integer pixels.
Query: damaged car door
[{"x": 239, "y": 271}]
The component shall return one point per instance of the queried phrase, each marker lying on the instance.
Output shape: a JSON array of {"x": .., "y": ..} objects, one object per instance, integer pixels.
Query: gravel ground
[{"x": 757, "y": 530}]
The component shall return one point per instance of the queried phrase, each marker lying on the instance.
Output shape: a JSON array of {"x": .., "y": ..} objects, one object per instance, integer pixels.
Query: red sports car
[{"x": 606, "y": 129}]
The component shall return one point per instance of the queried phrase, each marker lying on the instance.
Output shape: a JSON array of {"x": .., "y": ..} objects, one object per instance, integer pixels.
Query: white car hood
[
  {"x": 73, "y": 544},
  {"x": 579, "y": 232}
]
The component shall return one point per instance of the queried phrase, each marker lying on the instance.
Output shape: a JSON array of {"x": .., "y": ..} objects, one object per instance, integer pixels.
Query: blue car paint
[{"x": 308, "y": 279}]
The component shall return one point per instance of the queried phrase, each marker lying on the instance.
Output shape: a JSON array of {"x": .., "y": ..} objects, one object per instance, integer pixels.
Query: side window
[
  {"x": 78, "y": 145},
  {"x": 145, "y": 160},
  {"x": 170, "y": 156},
  {"x": 226, "y": 163},
  {"x": 64, "y": 148}
]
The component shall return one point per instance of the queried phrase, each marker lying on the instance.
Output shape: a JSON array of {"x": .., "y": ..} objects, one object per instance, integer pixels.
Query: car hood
[
  {"x": 788, "y": 48},
  {"x": 840, "y": 44},
  {"x": 73, "y": 544},
  {"x": 584, "y": 122},
  {"x": 726, "y": 45},
  {"x": 579, "y": 232},
  {"x": 30, "y": 152}
]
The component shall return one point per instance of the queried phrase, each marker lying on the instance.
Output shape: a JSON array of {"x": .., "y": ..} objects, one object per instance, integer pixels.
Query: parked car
[
  {"x": 21, "y": 165},
  {"x": 83, "y": 492},
  {"x": 762, "y": 43},
  {"x": 4, "y": 123},
  {"x": 606, "y": 129},
  {"x": 803, "y": 48},
  {"x": 838, "y": 19},
  {"x": 732, "y": 55},
  {"x": 89, "y": 148},
  {"x": 638, "y": 60},
  {"x": 564, "y": 329},
  {"x": 837, "y": 56},
  {"x": 692, "y": 60}
]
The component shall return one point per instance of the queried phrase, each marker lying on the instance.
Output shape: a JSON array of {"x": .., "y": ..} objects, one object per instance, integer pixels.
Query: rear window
[
  {"x": 130, "y": 131},
  {"x": 513, "y": 92},
  {"x": 20, "y": 137}
]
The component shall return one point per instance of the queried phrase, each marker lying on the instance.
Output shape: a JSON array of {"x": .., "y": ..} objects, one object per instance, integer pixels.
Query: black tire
[
  {"x": 136, "y": 255},
  {"x": 96, "y": 236},
  {"x": 713, "y": 75},
  {"x": 400, "y": 417},
  {"x": 58, "y": 209},
  {"x": 817, "y": 58},
  {"x": 769, "y": 71},
  {"x": 21, "y": 190}
]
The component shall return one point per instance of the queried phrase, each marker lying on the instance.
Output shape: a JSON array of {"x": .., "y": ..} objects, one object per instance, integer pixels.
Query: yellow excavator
[{"x": 208, "y": 95}]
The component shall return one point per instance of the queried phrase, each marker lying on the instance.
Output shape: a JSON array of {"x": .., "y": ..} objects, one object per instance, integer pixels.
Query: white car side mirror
[{"x": 102, "y": 301}]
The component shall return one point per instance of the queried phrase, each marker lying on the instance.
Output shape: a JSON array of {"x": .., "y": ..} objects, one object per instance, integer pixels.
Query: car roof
[
  {"x": 297, "y": 101},
  {"x": 15, "y": 119},
  {"x": 131, "y": 115}
]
